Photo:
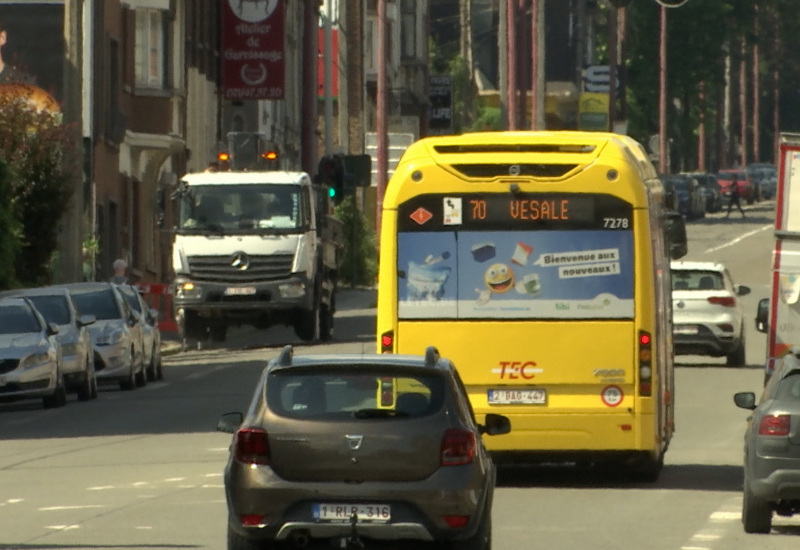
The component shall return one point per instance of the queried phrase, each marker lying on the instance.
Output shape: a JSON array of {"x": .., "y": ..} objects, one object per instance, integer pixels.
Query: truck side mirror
[
  {"x": 762, "y": 315},
  {"x": 676, "y": 235}
]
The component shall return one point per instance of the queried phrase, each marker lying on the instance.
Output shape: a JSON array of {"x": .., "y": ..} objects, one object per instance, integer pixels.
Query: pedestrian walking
[
  {"x": 120, "y": 277},
  {"x": 734, "y": 197}
]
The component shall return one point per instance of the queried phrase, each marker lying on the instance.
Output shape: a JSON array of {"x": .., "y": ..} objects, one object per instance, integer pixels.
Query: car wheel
[
  {"x": 88, "y": 391},
  {"x": 736, "y": 358},
  {"x": 239, "y": 542},
  {"x": 756, "y": 513},
  {"x": 159, "y": 368},
  {"x": 482, "y": 539},
  {"x": 648, "y": 469},
  {"x": 59, "y": 396},
  {"x": 141, "y": 374},
  {"x": 130, "y": 382},
  {"x": 307, "y": 324},
  {"x": 152, "y": 369}
]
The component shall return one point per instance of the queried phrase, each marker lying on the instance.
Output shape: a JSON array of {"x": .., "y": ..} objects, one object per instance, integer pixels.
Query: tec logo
[{"x": 514, "y": 370}]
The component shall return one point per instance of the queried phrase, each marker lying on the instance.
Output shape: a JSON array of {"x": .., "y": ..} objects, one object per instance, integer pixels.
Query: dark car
[
  {"x": 350, "y": 449},
  {"x": 748, "y": 190},
  {"x": 765, "y": 176},
  {"x": 709, "y": 187},
  {"x": 688, "y": 200},
  {"x": 772, "y": 448}
]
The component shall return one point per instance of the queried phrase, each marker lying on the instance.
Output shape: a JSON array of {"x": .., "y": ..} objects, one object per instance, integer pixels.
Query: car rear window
[
  {"x": 336, "y": 395},
  {"x": 697, "y": 280},
  {"x": 789, "y": 388}
]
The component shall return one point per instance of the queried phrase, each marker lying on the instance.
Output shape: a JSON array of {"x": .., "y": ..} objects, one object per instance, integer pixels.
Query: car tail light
[
  {"x": 252, "y": 520},
  {"x": 387, "y": 342},
  {"x": 252, "y": 446},
  {"x": 774, "y": 424},
  {"x": 645, "y": 364},
  {"x": 727, "y": 301},
  {"x": 458, "y": 447},
  {"x": 456, "y": 522}
]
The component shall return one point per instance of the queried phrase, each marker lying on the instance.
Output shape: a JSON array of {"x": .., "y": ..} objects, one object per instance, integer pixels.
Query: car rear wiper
[{"x": 378, "y": 413}]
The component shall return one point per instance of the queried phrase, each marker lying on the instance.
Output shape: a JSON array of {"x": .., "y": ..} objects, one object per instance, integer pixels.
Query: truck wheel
[
  {"x": 218, "y": 333},
  {"x": 326, "y": 312},
  {"x": 307, "y": 325},
  {"x": 736, "y": 358}
]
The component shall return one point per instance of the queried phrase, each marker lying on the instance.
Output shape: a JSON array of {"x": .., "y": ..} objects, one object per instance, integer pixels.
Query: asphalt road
[{"x": 142, "y": 469}]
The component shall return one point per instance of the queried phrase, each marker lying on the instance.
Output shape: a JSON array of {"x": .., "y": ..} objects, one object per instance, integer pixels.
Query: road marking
[
  {"x": 63, "y": 527},
  {"x": 718, "y": 525},
  {"x": 101, "y": 488},
  {"x": 737, "y": 239},
  {"x": 59, "y": 508}
]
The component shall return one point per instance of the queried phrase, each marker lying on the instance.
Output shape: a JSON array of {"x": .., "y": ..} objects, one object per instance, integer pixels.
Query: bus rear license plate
[
  {"x": 518, "y": 397},
  {"x": 685, "y": 329},
  {"x": 370, "y": 513},
  {"x": 240, "y": 291}
]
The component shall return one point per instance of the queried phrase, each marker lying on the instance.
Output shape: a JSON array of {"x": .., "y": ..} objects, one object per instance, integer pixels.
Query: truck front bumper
[{"x": 237, "y": 298}]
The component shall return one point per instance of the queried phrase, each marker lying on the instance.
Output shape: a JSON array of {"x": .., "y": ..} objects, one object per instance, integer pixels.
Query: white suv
[{"x": 707, "y": 316}]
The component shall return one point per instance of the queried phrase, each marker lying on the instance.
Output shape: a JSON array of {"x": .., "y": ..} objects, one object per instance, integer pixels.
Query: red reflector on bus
[{"x": 625, "y": 427}]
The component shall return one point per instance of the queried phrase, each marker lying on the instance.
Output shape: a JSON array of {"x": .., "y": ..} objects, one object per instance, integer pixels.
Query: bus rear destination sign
[{"x": 495, "y": 211}]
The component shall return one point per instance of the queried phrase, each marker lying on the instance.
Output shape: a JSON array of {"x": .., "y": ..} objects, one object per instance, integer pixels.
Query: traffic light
[{"x": 330, "y": 172}]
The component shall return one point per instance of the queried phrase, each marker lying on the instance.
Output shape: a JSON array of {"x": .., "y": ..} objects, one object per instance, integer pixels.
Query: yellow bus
[{"x": 539, "y": 263}]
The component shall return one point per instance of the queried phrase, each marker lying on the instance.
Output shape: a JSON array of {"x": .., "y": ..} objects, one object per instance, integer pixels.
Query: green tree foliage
[
  {"x": 39, "y": 149},
  {"x": 358, "y": 265},
  {"x": 9, "y": 229},
  {"x": 702, "y": 38}
]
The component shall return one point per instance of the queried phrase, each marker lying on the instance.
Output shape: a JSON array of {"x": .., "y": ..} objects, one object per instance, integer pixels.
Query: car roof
[
  {"x": 36, "y": 291},
  {"x": 15, "y": 302},
  {"x": 87, "y": 286},
  {"x": 696, "y": 266},
  {"x": 287, "y": 361}
]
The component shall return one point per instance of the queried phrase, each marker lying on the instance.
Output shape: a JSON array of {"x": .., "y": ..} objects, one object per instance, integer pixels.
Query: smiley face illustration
[{"x": 499, "y": 278}]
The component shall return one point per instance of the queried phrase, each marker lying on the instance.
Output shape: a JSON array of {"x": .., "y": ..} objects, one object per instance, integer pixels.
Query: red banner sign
[{"x": 253, "y": 51}]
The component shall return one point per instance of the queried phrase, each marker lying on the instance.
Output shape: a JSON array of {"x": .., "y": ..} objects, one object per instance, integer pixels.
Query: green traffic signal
[{"x": 332, "y": 193}]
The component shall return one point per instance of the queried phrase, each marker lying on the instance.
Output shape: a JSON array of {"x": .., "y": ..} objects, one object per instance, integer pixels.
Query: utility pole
[
  {"x": 308, "y": 100},
  {"x": 662, "y": 93},
  {"x": 502, "y": 61},
  {"x": 382, "y": 114},
  {"x": 328, "y": 38},
  {"x": 537, "y": 65},
  {"x": 756, "y": 114},
  {"x": 511, "y": 14}
]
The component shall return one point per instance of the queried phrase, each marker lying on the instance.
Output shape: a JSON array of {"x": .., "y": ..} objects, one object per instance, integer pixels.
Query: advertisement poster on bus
[
  {"x": 32, "y": 47},
  {"x": 253, "y": 50},
  {"x": 516, "y": 275}
]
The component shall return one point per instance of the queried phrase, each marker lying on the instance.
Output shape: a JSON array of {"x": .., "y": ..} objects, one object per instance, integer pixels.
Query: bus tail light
[
  {"x": 645, "y": 364},
  {"x": 387, "y": 342}
]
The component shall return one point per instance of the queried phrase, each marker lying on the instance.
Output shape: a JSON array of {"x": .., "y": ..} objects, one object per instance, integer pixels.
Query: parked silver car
[
  {"x": 30, "y": 355},
  {"x": 151, "y": 335},
  {"x": 707, "y": 314},
  {"x": 116, "y": 333},
  {"x": 57, "y": 306},
  {"x": 351, "y": 449},
  {"x": 772, "y": 448}
]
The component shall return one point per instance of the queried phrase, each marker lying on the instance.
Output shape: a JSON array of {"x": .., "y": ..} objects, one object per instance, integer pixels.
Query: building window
[
  {"x": 150, "y": 54},
  {"x": 408, "y": 33}
]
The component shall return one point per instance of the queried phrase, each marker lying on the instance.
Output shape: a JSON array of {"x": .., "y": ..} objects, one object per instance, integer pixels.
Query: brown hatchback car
[{"x": 352, "y": 451}]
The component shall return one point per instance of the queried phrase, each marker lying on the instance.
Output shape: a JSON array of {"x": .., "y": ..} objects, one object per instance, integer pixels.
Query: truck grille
[{"x": 259, "y": 268}]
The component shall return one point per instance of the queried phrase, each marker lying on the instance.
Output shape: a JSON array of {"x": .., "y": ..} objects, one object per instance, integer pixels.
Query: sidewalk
[{"x": 347, "y": 299}]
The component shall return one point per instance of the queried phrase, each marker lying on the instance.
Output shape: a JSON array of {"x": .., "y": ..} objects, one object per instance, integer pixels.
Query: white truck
[
  {"x": 253, "y": 247},
  {"x": 779, "y": 315}
]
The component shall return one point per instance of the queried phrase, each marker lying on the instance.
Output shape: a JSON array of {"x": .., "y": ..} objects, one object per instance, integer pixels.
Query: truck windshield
[{"x": 267, "y": 208}]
